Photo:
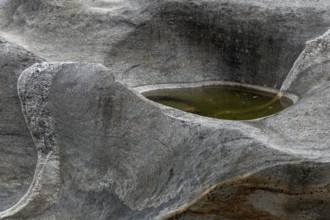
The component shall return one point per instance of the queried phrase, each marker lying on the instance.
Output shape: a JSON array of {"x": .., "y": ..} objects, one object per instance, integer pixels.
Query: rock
[
  {"x": 92, "y": 114},
  {"x": 17, "y": 152},
  {"x": 145, "y": 160},
  {"x": 150, "y": 42},
  {"x": 289, "y": 191},
  {"x": 95, "y": 148}
]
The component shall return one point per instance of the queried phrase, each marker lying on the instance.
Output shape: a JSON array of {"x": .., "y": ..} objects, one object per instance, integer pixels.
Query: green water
[{"x": 222, "y": 102}]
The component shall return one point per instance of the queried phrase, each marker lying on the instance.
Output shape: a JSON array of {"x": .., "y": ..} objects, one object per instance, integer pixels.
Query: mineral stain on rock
[
  {"x": 221, "y": 101},
  {"x": 267, "y": 196}
]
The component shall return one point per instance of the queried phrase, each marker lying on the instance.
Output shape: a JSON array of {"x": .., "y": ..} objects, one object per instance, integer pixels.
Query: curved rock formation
[
  {"x": 17, "y": 152},
  {"x": 95, "y": 148}
]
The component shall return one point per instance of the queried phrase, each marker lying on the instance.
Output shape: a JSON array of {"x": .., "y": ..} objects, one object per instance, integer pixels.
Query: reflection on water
[{"x": 222, "y": 102}]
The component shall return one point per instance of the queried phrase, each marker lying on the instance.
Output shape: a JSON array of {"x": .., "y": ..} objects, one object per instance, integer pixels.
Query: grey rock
[
  {"x": 124, "y": 157},
  {"x": 148, "y": 42},
  {"x": 17, "y": 152},
  {"x": 95, "y": 148}
]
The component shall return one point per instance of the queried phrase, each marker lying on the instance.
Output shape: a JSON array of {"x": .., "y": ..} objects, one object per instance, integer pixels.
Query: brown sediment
[
  {"x": 234, "y": 200},
  {"x": 278, "y": 96},
  {"x": 222, "y": 101},
  {"x": 191, "y": 109}
]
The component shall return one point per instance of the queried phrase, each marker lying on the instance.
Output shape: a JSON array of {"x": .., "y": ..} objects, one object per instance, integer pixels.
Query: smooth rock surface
[
  {"x": 168, "y": 157},
  {"x": 148, "y": 42},
  {"x": 17, "y": 152},
  {"x": 97, "y": 149}
]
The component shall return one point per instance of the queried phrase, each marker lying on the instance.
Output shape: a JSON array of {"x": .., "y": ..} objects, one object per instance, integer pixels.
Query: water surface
[{"x": 222, "y": 102}]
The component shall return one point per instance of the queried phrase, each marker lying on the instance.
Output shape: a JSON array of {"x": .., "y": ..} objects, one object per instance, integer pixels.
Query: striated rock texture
[
  {"x": 92, "y": 147},
  {"x": 17, "y": 152},
  {"x": 147, "y": 42}
]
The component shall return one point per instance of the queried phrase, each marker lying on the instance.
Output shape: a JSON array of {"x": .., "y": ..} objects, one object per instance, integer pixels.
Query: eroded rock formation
[{"x": 92, "y": 147}]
